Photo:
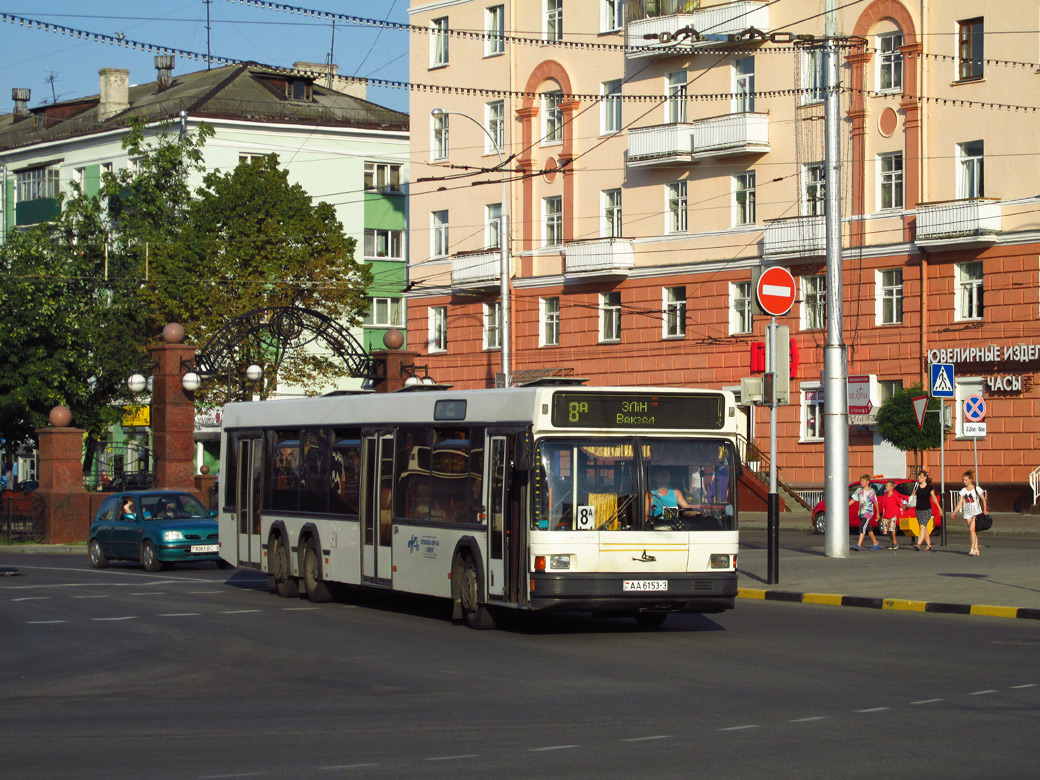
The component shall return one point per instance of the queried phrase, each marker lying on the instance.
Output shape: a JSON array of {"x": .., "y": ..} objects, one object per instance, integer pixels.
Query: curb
[
  {"x": 901, "y": 605},
  {"x": 36, "y": 549}
]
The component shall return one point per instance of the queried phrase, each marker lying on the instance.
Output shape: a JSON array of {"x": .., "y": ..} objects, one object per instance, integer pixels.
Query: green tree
[{"x": 897, "y": 422}]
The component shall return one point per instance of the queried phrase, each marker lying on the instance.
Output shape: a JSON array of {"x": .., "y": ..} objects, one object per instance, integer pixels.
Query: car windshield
[
  {"x": 626, "y": 483},
  {"x": 178, "y": 506}
]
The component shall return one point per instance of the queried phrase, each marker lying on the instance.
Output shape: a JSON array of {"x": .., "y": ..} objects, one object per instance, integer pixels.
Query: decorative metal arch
[{"x": 283, "y": 328}]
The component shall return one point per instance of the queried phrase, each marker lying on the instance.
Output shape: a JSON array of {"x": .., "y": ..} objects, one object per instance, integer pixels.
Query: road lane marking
[
  {"x": 203, "y": 592},
  {"x": 809, "y": 719},
  {"x": 873, "y": 709},
  {"x": 452, "y": 758},
  {"x": 32, "y": 598},
  {"x": 43, "y": 622},
  {"x": 240, "y": 774},
  {"x": 981, "y": 693},
  {"x": 103, "y": 596},
  {"x": 238, "y": 611},
  {"x": 110, "y": 619},
  {"x": 646, "y": 739},
  {"x": 739, "y": 728},
  {"x": 926, "y": 701},
  {"x": 1027, "y": 685},
  {"x": 299, "y": 609},
  {"x": 344, "y": 766},
  {"x": 551, "y": 747},
  {"x": 178, "y": 614}
]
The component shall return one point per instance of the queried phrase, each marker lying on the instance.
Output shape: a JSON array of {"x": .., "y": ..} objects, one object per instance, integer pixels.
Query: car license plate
[
  {"x": 204, "y": 548},
  {"x": 629, "y": 585}
]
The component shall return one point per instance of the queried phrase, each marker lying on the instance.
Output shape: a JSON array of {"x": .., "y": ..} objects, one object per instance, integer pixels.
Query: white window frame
[
  {"x": 675, "y": 89},
  {"x": 971, "y": 172},
  {"x": 549, "y": 320},
  {"x": 383, "y": 312},
  {"x": 744, "y": 211},
  {"x": 493, "y": 225},
  {"x": 493, "y": 325},
  {"x": 612, "y": 15},
  {"x": 610, "y": 108},
  {"x": 740, "y": 311},
  {"x": 552, "y": 20},
  {"x": 610, "y": 317},
  {"x": 495, "y": 122},
  {"x": 552, "y": 117},
  {"x": 437, "y": 329},
  {"x": 439, "y": 246},
  {"x": 890, "y": 181},
  {"x": 812, "y": 76},
  {"x": 393, "y": 239},
  {"x": 37, "y": 183},
  {"x": 673, "y": 308},
  {"x": 552, "y": 220},
  {"x": 810, "y": 428},
  {"x": 440, "y": 137},
  {"x": 743, "y": 85},
  {"x": 814, "y": 190},
  {"x": 494, "y": 30},
  {"x": 610, "y": 222},
  {"x": 889, "y": 62},
  {"x": 889, "y": 296},
  {"x": 971, "y": 298},
  {"x": 675, "y": 205},
  {"x": 439, "y": 42},
  {"x": 381, "y": 176},
  {"x": 814, "y": 302}
]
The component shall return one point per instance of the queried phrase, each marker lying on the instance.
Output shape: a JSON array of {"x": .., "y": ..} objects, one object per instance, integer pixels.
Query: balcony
[
  {"x": 32, "y": 212},
  {"x": 683, "y": 143},
  {"x": 476, "y": 269},
  {"x": 795, "y": 237},
  {"x": 715, "y": 24},
  {"x": 602, "y": 258},
  {"x": 958, "y": 223}
]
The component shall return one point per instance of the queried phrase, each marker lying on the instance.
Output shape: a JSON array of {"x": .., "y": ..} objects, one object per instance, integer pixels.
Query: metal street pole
[
  {"x": 503, "y": 242},
  {"x": 942, "y": 469},
  {"x": 835, "y": 417},
  {"x": 773, "y": 506}
]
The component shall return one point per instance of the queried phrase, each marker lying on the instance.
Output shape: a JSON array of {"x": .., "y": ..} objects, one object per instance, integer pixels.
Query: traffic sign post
[
  {"x": 942, "y": 387},
  {"x": 973, "y": 425}
]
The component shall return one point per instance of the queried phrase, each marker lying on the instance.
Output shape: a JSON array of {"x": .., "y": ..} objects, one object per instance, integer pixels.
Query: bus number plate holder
[{"x": 644, "y": 585}]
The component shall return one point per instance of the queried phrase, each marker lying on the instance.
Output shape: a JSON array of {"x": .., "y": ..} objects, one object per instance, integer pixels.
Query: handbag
[
  {"x": 912, "y": 501},
  {"x": 983, "y": 522}
]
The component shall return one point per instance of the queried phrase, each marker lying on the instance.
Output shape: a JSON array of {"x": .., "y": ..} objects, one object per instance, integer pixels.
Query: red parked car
[{"x": 904, "y": 487}]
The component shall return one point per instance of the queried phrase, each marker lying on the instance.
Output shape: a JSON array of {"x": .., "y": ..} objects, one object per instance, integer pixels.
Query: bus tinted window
[
  {"x": 345, "y": 476},
  {"x": 314, "y": 471},
  {"x": 413, "y": 474},
  {"x": 286, "y": 459}
]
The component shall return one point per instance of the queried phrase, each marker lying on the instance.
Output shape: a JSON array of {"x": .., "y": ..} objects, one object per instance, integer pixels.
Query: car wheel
[
  {"x": 317, "y": 591},
  {"x": 278, "y": 560},
  {"x": 149, "y": 558},
  {"x": 819, "y": 522},
  {"x": 651, "y": 619},
  {"x": 98, "y": 559},
  {"x": 475, "y": 614}
]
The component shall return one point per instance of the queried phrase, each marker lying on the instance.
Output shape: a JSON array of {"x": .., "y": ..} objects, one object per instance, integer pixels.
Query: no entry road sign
[{"x": 776, "y": 291}]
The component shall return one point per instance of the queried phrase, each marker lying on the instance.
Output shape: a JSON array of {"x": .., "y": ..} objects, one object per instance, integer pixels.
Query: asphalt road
[{"x": 200, "y": 673}]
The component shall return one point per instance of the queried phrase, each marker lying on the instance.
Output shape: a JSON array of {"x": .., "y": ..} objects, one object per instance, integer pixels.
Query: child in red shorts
[{"x": 890, "y": 503}]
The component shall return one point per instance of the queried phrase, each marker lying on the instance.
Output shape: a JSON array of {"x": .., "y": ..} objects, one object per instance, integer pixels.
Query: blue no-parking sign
[
  {"x": 974, "y": 408},
  {"x": 942, "y": 380}
]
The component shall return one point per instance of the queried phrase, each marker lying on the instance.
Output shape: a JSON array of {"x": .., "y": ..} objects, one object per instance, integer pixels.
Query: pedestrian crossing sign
[{"x": 942, "y": 380}]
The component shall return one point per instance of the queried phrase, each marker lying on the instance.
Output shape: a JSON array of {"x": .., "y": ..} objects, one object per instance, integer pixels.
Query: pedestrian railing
[
  {"x": 22, "y": 517},
  {"x": 1034, "y": 483}
]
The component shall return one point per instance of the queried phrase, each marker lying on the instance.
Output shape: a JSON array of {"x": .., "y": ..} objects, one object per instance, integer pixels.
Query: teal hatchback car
[{"x": 155, "y": 527}]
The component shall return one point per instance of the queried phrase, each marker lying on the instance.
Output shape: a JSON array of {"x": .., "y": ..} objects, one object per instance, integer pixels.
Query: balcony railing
[
  {"x": 795, "y": 237},
  {"x": 475, "y": 268},
  {"x": 671, "y": 144},
  {"x": 714, "y": 24},
  {"x": 958, "y": 222},
  {"x": 608, "y": 256}
]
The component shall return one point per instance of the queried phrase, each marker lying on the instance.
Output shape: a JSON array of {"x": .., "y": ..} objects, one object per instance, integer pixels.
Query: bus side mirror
[{"x": 522, "y": 452}]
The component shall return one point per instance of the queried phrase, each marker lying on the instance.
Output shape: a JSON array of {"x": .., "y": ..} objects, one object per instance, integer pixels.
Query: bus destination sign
[{"x": 637, "y": 410}]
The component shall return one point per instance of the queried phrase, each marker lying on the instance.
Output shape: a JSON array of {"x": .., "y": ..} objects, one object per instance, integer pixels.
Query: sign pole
[
  {"x": 773, "y": 506},
  {"x": 942, "y": 468}
]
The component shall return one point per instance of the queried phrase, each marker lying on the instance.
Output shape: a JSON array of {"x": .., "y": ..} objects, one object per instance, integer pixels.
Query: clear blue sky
[{"x": 28, "y": 57}]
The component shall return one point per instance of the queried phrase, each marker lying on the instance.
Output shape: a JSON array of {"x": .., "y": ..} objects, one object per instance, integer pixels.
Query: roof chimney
[
  {"x": 164, "y": 66},
  {"x": 20, "y": 96},
  {"x": 115, "y": 92}
]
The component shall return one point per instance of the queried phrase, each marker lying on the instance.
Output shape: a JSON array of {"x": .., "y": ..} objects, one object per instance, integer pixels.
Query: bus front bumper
[{"x": 634, "y": 591}]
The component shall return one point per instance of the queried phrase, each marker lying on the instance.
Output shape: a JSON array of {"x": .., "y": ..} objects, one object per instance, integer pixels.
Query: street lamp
[{"x": 503, "y": 240}]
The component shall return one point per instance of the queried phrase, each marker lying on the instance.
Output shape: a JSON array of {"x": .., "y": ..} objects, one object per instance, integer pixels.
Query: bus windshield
[{"x": 625, "y": 484}]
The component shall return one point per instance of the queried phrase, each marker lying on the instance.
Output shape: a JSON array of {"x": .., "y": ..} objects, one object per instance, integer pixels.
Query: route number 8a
[{"x": 585, "y": 518}]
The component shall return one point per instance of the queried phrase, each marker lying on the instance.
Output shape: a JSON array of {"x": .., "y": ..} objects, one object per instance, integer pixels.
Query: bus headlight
[
  {"x": 172, "y": 536},
  {"x": 559, "y": 561},
  {"x": 719, "y": 561}
]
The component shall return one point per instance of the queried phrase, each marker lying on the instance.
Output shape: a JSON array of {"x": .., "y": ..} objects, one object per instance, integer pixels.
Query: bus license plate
[
  {"x": 645, "y": 585},
  {"x": 205, "y": 548}
]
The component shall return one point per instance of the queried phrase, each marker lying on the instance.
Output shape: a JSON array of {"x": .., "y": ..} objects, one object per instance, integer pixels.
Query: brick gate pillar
[
  {"x": 66, "y": 511},
  {"x": 173, "y": 412}
]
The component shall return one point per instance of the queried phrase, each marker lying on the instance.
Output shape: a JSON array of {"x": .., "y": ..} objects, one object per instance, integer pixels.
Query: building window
[
  {"x": 890, "y": 295},
  {"x": 549, "y": 334},
  {"x": 383, "y": 312},
  {"x": 744, "y": 84},
  {"x": 493, "y": 225},
  {"x": 440, "y": 137},
  {"x": 969, "y": 291},
  {"x": 891, "y": 184},
  {"x": 611, "y": 227},
  {"x": 494, "y": 121},
  {"x": 674, "y": 312},
  {"x": 675, "y": 207},
  {"x": 888, "y": 388},
  {"x": 740, "y": 310},
  {"x": 969, "y": 49},
  {"x": 383, "y": 177},
  {"x": 384, "y": 244},
  {"x": 971, "y": 182},
  {"x": 613, "y": 15},
  {"x": 552, "y": 220},
  {"x": 676, "y": 92},
  {"x": 812, "y": 412},
  {"x": 814, "y": 302},
  {"x": 439, "y": 233},
  {"x": 37, "y": 183},
  {"x": 552, "y": 129},
  {"x": 438, "y": 329},
  {"x": 493, "y": 325},
  {"x": 812, "y": 76},
  {"x": 814, "y": 190},
  {"x": 610, "y": 317},
  {"x": 610, "y": 112},
  {"x": 553, "y": 20},
  {"x": 439, "y": 42},
  {"x": 494, "y": 30},
  {"x": 890, "y": 62},
  {"x": 744, "y": 198}
]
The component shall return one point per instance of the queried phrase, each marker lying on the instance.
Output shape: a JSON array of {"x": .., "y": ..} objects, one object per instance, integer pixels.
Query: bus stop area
[{"x": 1003, "y": 581}]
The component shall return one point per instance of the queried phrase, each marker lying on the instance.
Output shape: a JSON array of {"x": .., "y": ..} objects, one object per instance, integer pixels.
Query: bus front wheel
[
  {"x": 317, "y": 591},
  {"x": 285, "y": 586},
  {"x": 475, "y": 614}
]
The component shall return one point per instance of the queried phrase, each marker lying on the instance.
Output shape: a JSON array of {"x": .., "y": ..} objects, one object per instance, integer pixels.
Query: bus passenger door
[
  {"x": 497, "y": 469},
  {"x": 378, "y": 475},
  {"x": 250, "y": 483}
]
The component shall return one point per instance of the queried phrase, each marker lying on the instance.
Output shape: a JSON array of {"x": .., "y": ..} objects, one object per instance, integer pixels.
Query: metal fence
[
  {"x": 21, "y": 519},
  {"x": 120, "y": 467}
]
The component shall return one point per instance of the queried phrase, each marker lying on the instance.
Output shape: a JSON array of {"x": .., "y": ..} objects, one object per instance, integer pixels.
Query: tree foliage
[{"x": 897, "y": 422}]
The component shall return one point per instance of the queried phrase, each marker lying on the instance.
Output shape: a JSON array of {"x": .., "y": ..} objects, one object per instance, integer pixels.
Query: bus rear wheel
[
  {"x": 317, "y": 591},
  {"x": 475, "y": 614},
  {"x": 278, "y": 560}
]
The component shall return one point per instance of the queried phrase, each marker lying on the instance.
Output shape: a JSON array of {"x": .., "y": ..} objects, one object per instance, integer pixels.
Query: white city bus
[{"x": 531, "y": 498}]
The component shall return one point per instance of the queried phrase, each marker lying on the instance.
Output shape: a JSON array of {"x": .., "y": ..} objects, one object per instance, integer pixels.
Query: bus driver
[{"x": 662, "y": 501}]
